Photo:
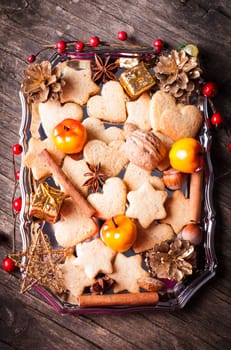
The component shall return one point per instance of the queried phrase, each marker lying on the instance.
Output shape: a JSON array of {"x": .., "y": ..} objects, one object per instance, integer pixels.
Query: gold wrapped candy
[
  {"x": 46, "y": 203},
  {"x": 136, "y": 80}
]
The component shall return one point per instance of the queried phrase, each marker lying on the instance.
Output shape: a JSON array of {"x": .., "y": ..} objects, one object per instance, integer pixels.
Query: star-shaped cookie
[
  {"x": 74, "y": 279},
  {"x": 32, "y": 159},
  {"x": 94, "y": 257},
  {"x": 78, "y": 86},
  {"x": 177, "y": 208},
  {"x": 146, "y": 204},
  {"x": 127, "y": 271}
]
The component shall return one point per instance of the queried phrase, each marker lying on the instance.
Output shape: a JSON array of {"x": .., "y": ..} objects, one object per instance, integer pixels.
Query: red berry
[
  {"x": 79, "y": 45},
  {"x": 158, "y": 45},
  {"x": 94, "y": 41},
  {"x": 209, "y": 89},
  {"x": 216, "y": 119},
  {"x": 122, "y": 35},
  {"x": 17, "y": 174},
  {"x": 17, "y": 204},
  {"x": 61, "y": 46},
  {"x": 8, "y": 265},
  {"x": 31, "y": 58},
  {"x": 229, "y": 146},
  {"x": 17, "y": 149}
]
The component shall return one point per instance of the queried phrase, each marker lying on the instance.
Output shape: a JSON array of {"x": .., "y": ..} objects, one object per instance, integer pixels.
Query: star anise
[
  {"x": 104, "y": 69},
  {"x": 97, "y": 179}
]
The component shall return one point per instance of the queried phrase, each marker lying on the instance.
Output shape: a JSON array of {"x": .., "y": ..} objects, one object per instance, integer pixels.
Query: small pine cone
[{"x": 178, "y": 74}]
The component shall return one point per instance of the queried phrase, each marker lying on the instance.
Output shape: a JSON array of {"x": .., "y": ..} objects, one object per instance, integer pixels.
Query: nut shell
[{"x": 144, "y": 149}]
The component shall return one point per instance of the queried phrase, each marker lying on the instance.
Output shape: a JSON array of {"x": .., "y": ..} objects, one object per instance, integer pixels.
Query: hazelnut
[
  {"x": 192, "y": 233},
  {"x": 173, "y": 179}
]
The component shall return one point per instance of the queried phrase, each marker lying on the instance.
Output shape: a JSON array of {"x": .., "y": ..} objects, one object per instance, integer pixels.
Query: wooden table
[{"x": 26, "y": 322}]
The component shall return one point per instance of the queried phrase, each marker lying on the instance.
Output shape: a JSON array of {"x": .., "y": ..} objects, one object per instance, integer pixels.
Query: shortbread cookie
[
  {"x": 111, "y": 201},
  {"x": 52, "y": 113},
  {"x": 168, "y": 142},
  {"x": 73, "y": 227},
  {"x": 177, "y": 208},
  {"x": 96, "y": 130},
  {"x": 126, "y": 272},
  {"x": 159, "y": 102},
  {"x": 35, "y": 121},
  {"x": 32, "y": 159},
  {"x": 154, "y": 234},
  {"x": 75, "y": 170},
  {"x": 78, "y": 87},
  {"x": 135, "y": 176},
  {"x": 174, "y": 120},
  {"x": 74, "y": 278},
  {"x": 94, "y": 257},
  {"x": 138, "y": 112},
  {"x": 146, "y": 204},
  {"x": 111, "y": 157},
  {"x": 110, "y": 106}
]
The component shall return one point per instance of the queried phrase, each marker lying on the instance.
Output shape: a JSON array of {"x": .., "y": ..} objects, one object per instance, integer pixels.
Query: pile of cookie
[{"x": 131, "y": 122}]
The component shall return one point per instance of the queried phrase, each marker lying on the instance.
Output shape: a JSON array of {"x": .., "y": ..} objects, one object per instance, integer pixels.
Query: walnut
[
  {"x": 41, "y": 82},
  {"x": 178, "y": 74},
  {"x": 143, "y": 148},
  {"x": 171, "y": 259}
]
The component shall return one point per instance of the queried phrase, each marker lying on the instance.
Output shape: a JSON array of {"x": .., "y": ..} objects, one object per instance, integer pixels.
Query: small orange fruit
[
  {"x": 119, "y": 233},
  {"x": 187, "y": 155}
]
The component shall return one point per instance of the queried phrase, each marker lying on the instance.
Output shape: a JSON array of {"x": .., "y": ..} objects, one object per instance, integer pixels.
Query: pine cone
[
  {"x": 42, "y": 82},
  {"x": 178, "y": 74},
  {"x": 171, "y": 259}
]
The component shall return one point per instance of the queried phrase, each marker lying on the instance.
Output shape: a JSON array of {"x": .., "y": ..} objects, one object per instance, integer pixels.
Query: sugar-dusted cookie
[
  {"x": 110, "y": 105},
  {"x": 154, "y": 234},
  {"x": 138, "y": 112},
  {"x": 32, "y": 159},
  {"x": 111, "y": 157},
  {"x": 126, "y": 273},
  {"x": 73, "y": 227},
  {"x": 177, "y": 208},
  {"x": 146, "y": 204},
  {"x": 111, "y": 201},
  {"x": 135, "y": 176},
  {"x": 79, "y": 85},
  {"x": 96, "y": 130},
  {"x": 52, "y": 113},
  {"x": 172, "y": 119},
  {"x": 74, "y": 279},
  {"x": 75, "y": 170},
  {"x": 94, "y": 257}
]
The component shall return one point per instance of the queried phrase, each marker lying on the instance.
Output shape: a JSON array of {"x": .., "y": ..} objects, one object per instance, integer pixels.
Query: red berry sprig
[
  {"x": 158, "y": 45},
  {"x": 79, "y": 45},
  {"x": 61, "y": 46},
  {"x": 210, "y": 90},
  {"x": 94, "y": 41},
  {"x": 122, "y": 36},
  {"x": 8, "y": 265}
]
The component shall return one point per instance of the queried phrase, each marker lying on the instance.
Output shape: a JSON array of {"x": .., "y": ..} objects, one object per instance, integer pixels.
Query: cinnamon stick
[
  {"x": 127, "y": 299},
  {"x": 64, "y": 181},
  {"x": 195, "y": 197}
]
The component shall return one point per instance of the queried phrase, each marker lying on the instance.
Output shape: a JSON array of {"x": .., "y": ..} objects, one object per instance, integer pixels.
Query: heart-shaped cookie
[
  {"x": 52, "y": 113},
  {"x": 111, "y": 157},
  {"x": 96, "y": 130},
  {"x": 110, "y": 106},
  {"x": 112, "y": 200},
  {"x": 175, "y": 120}
]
